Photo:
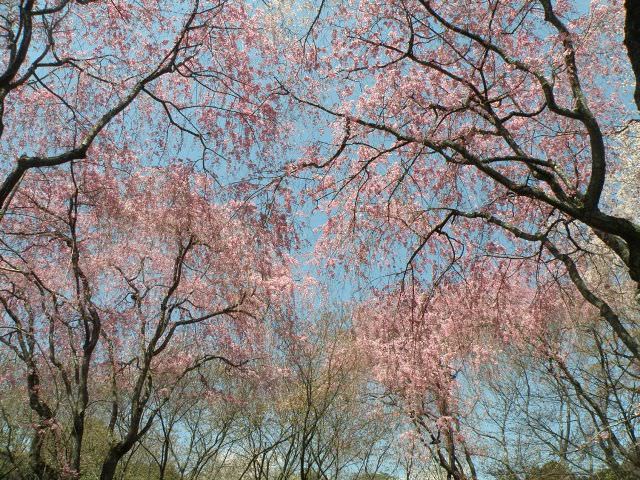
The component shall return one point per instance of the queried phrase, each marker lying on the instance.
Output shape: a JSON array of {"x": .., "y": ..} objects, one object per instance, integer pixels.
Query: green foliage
[
  {"x": 373, "y": 476},
  {"x": 552, "y": 471}
]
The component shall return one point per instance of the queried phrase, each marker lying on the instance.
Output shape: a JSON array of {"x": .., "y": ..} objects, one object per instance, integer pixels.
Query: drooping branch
[
  {"x": 572, "y": 269},
  {"x": 167, "y": 64}
]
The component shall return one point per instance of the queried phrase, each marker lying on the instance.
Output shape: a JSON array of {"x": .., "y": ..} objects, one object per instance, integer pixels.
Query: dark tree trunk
[
  {"x": 109, "y": 466},
  {"x": 37, "y": 465},
  {"x": 77, "y": 434},
  {"x": 632, "y": 41}
]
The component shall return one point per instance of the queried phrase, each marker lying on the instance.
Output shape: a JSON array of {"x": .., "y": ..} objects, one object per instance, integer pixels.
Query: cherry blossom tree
[
  {"x": 430, "y": 350},
  {"x": 474, "y": 154},
  {"x": 94, "y": 97},
  {"x": 116, "y": 287},
  {"x": 473, "y": 125}
]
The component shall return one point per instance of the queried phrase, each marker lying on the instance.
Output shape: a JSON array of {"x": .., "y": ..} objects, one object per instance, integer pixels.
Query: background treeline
[{"x": 311, "y": 411}]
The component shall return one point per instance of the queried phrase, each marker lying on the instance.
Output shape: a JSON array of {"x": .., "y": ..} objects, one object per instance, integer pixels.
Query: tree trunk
[
  {"x": 109, "y": 465},
  {"x": 77, "y": 435},
  {"x": 632, "y": 41}
]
